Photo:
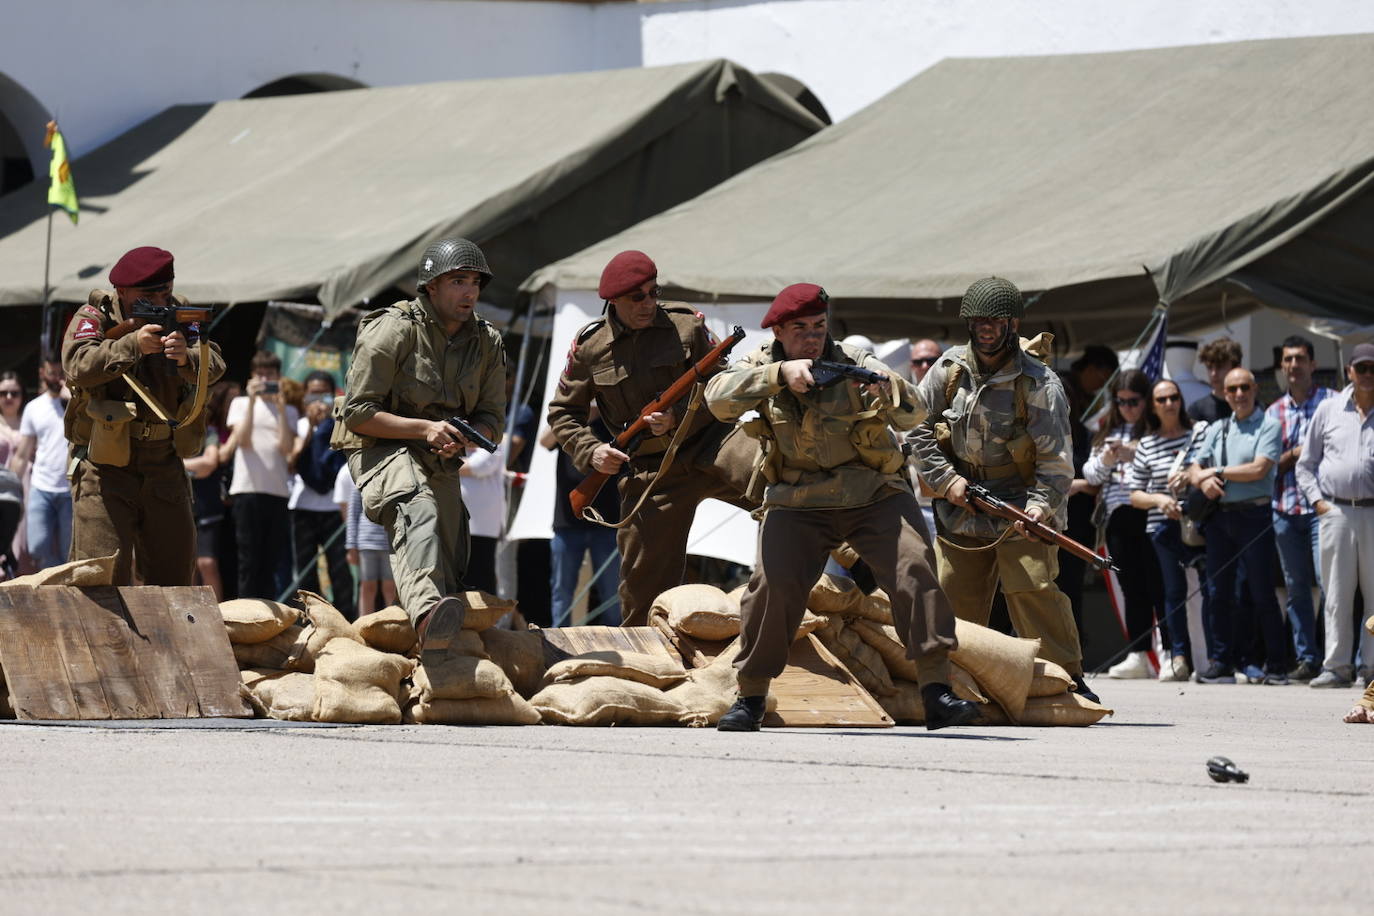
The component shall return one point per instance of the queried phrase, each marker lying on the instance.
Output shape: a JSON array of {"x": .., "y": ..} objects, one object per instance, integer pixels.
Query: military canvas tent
[
  {"x": 334, "y": 195},
  {"x": 1101, "y": 183}
]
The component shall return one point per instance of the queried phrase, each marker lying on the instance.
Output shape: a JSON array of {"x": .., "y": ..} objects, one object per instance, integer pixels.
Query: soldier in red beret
[
  {"x": 136, "y": 411},
  {"x": 835, "y": 475},
  {"x": 625, "y": 360}
]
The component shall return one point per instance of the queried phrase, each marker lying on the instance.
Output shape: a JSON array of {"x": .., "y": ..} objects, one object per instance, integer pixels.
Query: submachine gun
[
  {"x": 982, "y": 499},
  {"x": 168, "y": 317},
  {"x": 825, "y": 373}
]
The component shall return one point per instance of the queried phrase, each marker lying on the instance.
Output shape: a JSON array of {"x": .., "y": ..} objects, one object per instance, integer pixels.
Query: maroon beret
[
  {"x": 146, "y": 266},
  {"x": 626, "y": 273},
  {"x": 800, "y": 300}
]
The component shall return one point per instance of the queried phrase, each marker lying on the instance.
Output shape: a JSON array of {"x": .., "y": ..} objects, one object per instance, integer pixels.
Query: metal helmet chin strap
[{"x": 992, "y": 349}]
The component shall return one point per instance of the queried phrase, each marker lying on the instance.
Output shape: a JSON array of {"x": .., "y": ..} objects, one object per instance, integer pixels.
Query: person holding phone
[{"x": 262, "y": 437}]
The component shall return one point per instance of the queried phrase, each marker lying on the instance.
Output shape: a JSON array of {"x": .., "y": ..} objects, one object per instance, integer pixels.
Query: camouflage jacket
[
  {"x": 96, "y": 367},
  {"x": 826, "y": 449},
  {"x": 625, "y": 370},
  {"x": 982, "y": 420},
  {"x": 405, "y": 363}
]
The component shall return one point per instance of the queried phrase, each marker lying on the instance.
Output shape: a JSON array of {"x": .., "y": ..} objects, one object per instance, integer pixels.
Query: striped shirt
[
  {"x": 1293, "y": 420},
  {"x": 360, "y": 532},
  {"x": 1154, "y": 459},
  {"x": 1115, "y": 480}
]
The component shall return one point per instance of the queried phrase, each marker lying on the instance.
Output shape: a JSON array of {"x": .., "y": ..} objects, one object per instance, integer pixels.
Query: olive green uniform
[
  {"x": 1016, "y": 412},
  {"x": 405, "y": 363},
  {"x": 625, "y": 370},
  {"x": 835, "y": 474},
  {"x": 130, "y": 492}
]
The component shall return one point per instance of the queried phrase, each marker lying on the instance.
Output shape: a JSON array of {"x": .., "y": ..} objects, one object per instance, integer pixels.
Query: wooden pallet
[
  {"x": 117, "y": 653},
  {"x": 566, "y": 642},
  {"x": 816, "y": 690}
]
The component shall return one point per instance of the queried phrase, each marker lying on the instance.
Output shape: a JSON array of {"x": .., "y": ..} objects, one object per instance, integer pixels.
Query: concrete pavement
[{"x": 1119, "y": 818}]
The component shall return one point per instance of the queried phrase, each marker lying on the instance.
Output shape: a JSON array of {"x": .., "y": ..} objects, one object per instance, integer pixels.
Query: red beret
[
  {"x": 626, "y": 273},
  {"x": 800, "y": 300},
  {"x": 146, "y": 266}
]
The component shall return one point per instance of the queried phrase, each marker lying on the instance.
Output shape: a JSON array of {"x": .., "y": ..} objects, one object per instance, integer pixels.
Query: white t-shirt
[
  {"x": 302, "y": 495},
  {"x": 42, "y": 419},
  {"x": 259, "y": 466},
  {"x": 484, "y": 491}
]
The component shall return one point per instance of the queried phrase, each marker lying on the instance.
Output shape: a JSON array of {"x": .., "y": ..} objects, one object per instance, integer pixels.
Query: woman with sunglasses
[
  {"x": 1158, "y": 460},
  {"x": 11, "y": 412},
  {"x": 1109, "y": 467}
]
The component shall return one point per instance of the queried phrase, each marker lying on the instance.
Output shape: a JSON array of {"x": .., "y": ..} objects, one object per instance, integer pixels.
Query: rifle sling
[
  {"x": 590, "y": 514},
  {"x": 197, "y": 404}
]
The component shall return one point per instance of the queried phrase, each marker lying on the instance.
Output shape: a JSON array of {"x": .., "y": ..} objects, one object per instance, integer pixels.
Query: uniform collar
[{"x": 661, "y": 320}]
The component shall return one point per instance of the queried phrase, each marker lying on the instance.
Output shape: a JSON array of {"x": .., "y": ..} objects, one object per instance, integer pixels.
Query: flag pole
[{"x": 45, "y": 335}]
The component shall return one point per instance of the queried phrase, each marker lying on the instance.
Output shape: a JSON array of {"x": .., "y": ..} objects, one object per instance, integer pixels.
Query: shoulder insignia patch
[{"x": 86, "y": 329}]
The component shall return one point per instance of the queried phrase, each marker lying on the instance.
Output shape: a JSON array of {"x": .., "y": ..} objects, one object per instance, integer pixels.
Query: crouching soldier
[
  {"x": 416, "y": 364},
  {"x": 834, "y": 474}
]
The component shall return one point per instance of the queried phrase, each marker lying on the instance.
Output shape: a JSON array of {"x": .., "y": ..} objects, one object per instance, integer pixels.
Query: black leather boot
[
  {"x": 745, "y": 716},
  {"x": 943, "y": 708},
  {"x": 1081, "y": 688}
]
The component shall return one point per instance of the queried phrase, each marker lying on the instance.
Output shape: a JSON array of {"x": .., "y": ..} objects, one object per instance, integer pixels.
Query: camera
[{"x": 271, "y": 387}]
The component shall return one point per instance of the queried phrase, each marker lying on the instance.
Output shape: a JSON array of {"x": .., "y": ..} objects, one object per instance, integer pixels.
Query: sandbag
[
  {"x": 699, "y": 611},
  {"x": 362, "y": 705},
  {"x": 326, "y": 623},
  {"x": 78, "y": 573},
  {"x": 1064, "y": 709},
  {"x": 285, "y": 652},
  {"x": 965, "y": 686},
  {"x": 506, "y": 710},
  {"x": 255, "y": 620},
  {"x": 710, "y": 691},
  {"x": 484, "y": 610},
  {"x": 460, "y": 677},
  {"x": 286, "y": 695},
  {"x": 1369, "y": 626},
  {"x": 810, "y": 623},
  {"x": 876, "y": 607},
  {"x": 862, "y": 660},
  {"x": 607, "y": 701},
  {"x": 736, "y": 596},
  {"x": 6, "y": 707},
  {"x": 357, "y": 666},
  {"x": 1049, "y": 680},
  {"x": 251, "y": 676},
  {"x": 991, "y": 714},
  {"x": 1002, "y": 665},
  {"x": 519, "y": 653},
  {"x": 883, "y": 638},
  {"x": 659, "y": 671},
  {"x": 834, "y": 595},
  {"x": 388, "y": 630}
]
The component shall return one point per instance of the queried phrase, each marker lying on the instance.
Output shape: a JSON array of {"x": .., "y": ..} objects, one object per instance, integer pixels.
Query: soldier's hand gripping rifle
[
  {"x": 982, "y": 500},
  {"x": 825, "y": 373},
  {"x": 168, "y": 317},
  {"x": 628, "y": 440}
]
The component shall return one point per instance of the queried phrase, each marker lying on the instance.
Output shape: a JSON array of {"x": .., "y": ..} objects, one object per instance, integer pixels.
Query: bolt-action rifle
[
  {"x": 983, "y": 500},
  {"x": 629, "y": 438}
]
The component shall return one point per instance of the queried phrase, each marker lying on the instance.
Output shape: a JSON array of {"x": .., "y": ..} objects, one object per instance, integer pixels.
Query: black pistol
[{"x": 470, "y": 433}]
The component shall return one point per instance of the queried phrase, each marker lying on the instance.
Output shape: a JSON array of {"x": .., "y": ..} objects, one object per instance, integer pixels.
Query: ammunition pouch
[
  {"x": 877, "y": 448},
  {"x": 1021, "y": 447},
  {"x": 110, "y": 432},
  {"x": 188, "y": 439}
]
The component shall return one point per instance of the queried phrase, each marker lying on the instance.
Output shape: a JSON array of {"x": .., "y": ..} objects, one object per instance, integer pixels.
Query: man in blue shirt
[{"x": 1236, "y": 465}]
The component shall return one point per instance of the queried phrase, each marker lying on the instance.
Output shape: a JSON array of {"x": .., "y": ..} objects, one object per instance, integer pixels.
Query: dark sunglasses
[
  {"x": 639, "y": 295},
  {"x": 1128, "y": 402},
  {"x": 1364, "y": 368},
  {"x": 11, "y": 394},
  {"x": 1168, "y": 398},
  {"x": 924, "y": 361},
  {"x": 1238, "y": 389}
]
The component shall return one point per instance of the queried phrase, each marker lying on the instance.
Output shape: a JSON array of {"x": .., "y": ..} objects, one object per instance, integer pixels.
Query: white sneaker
[
  {"x": 1134, "y": 665},
  {"x": 1178, "y": 669},
  {"x": 1329, "y": 678}
]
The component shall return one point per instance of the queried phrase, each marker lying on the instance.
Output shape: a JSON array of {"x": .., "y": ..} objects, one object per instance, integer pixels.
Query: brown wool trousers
[
  {"x": 890, "y": 535},
  {"x": 142, "y": 511}
]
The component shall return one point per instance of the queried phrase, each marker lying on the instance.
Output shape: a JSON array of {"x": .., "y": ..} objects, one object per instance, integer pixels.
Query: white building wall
[{"x": 851, "y": 52}]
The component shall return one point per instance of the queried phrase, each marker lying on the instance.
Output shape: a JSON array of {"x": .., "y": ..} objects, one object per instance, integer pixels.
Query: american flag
[{"x": 1153, "y": 362}]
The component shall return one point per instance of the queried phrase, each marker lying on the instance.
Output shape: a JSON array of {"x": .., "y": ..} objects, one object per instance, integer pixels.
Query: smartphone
[{"x": 271, "y": 387}]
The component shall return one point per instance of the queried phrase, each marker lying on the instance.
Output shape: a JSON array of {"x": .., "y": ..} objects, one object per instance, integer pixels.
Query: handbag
[{"x": 1198, "y": 507}]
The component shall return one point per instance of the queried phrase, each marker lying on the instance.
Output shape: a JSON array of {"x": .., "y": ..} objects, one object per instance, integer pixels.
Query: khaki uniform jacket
[
  {"x": 625, "y": 370},
  {"x": 95, "y": 368},
  {"x": 830, "y": 448},
  {"x": 982, "y": 419},
  {"x": 405, "y": 363}
]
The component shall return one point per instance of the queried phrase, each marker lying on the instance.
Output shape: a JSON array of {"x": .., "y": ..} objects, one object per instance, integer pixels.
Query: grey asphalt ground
[{"x": 1119, "y": 818}]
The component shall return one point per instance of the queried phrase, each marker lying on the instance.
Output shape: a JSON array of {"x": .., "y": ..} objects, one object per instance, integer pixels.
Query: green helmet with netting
[
  {"x": 452, "y": 254},
  {"x": 992, "y": 297}
]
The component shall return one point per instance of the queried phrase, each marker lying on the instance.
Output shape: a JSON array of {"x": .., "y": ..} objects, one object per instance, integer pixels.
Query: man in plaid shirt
[{"x": 1295, "y": 524}]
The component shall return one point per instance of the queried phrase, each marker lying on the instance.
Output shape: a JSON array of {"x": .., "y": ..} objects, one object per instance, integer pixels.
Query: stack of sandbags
[
  {"x": 387, "y": 630},
  {"x": 467, "y": 688},
  {"x": 610, "y": 687},
  {"x": 1000, "y": 673},
  {"x": 77, "y": 573},
  {"x": 699, "y": 611}
]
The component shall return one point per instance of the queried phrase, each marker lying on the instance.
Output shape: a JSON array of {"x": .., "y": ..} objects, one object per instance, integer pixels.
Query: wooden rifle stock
[
  {"x": 983, "y": 500},
  {"x": 582, "y": 495}
]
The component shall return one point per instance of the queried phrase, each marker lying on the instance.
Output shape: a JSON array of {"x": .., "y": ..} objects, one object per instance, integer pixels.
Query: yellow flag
[{"x": 62, "y": 191}]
